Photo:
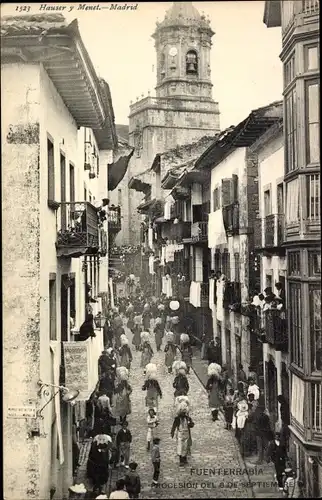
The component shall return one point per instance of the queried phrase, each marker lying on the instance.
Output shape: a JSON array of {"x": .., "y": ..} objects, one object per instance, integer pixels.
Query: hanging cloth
[
  {"x": 151, "y": 264},
  {"x": 220, "y": 289},
  {"x": 216, "y": 229},
  {"x": 211, "y": 293}
]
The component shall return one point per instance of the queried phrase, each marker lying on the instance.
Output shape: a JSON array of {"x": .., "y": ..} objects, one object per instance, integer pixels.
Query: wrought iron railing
[
  {"x": 114, "y": 218},
  {"x": 180, "y": 230},
  {"x": 231, "y": 217},
  {"x": 199, "y": 231},
  {"x": 276, "y": 329},
  {"x": 77, "y": 225}
]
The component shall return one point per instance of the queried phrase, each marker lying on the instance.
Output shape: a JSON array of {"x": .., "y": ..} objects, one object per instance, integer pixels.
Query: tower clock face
[{"x": 173, "y": 51}]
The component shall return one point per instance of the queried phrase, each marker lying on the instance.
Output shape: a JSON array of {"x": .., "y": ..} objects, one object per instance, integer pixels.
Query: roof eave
[{"x": 272, "y": 14}]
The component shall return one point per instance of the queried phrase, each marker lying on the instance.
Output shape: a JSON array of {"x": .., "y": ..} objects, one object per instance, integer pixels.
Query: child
[
  {"x": 156, "y": 460},
  {"x": 229, "y": 408},
  {"x": 123, "y": 442},
  {"x": 132, "y": 481},
  {"x": 147, "y": 352},
  {"x": 152, "y": 421}
]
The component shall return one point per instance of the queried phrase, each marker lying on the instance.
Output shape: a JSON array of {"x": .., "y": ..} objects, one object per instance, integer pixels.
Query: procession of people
[{"x": 155, "y": 322}]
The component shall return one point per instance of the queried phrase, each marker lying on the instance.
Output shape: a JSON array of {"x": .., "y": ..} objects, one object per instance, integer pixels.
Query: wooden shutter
[
  {"x": 215, "y": 195},
  {"x": 227, "y": 190},
  {"x": 235, "y": 188}
]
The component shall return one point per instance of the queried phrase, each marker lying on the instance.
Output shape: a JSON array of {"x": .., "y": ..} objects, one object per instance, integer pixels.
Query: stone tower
[{"x": 183, "y": 109}]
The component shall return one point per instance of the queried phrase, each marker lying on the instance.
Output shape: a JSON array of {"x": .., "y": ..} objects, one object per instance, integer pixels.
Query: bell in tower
[{"x": 192, "y": 63}]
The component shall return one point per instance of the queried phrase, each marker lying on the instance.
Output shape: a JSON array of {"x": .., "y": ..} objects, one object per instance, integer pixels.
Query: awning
[{"x": 117, "y": 169}]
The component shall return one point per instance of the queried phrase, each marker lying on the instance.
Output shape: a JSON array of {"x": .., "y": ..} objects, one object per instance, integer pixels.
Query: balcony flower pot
[
  {"x": 87, "y": 166},
  {"x": 92, "y": 175}
]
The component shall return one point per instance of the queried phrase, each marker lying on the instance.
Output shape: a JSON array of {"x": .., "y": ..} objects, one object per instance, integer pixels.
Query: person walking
[
  {"x": 213, "y": 387},
  {"x": 122, "y": 391},
  {"x": 212, "y": 353},
  {"x": 153, "y": 422},
  {"x": 277, "y": 454},
  {"x": 170, "y": 351},
  {"x": 152, "y": 387},
  {"x": 156, "y": 460},
  {"x": 180, "y": 383},
  {"x": 132, "y": 481},
  {"x": 241, "y": 374},
  {"x": 123, "y": 443},
  {"x": 98, "y": 461},
  {"x": 229, "y": 408},
  {"x": 137, "y": 329},
  {"x": 263, "y": 432},
  {"x": 158, "y": 333},
  {"x": 239, "y": 422},
  {"x": 186, "y": 350},
  {"x": 181, "y": 427},
  {"x": 125, "y": 354},
  {"x": 147, "y": 351},
  {"x": 146, "y": 317}
]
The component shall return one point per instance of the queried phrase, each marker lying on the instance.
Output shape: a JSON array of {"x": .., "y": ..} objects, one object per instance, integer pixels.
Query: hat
[{"x": 78, "y": 488}]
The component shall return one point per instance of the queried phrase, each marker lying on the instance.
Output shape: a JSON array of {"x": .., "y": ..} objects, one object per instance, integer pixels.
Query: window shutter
[
  {"x": 226, "y": 189},
  {"x": 216, "y": 199},
  {"x": 235, "y": 188}
]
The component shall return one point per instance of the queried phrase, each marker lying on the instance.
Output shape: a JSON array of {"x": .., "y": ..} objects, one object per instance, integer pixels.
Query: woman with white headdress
[
  {"x": 214, "y": 389},
  {"x": 186, "y": 350},
  {"x": 158, "y": 332},
  {"x": 125, "y": 354},
  {"x": 170, "y": 351},
  {"x": 147, "y": 351},
  {"x": 146, "y": 317},
  {"x": 152, "y": 387},
  {"x": 180, "y": 383},
  {"x": 181, "y": 427},
  {"x": 122, "y": 392},
  {"x": 137, "y": 329},
  {"x": 98, "y": 461}
]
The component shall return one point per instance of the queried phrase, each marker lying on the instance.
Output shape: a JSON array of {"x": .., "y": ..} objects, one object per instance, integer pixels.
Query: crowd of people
[{"x": 243, "y": 407}]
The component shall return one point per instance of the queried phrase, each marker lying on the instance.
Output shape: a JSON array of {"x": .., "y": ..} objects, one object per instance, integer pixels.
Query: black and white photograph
[{"x": 161, "y": 240}]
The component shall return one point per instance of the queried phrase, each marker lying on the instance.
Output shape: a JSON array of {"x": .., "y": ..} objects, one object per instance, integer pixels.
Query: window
[
  {"x": 313, "y": 197},
  {"x": 287, "y": 13},
  {"x": 51, "y": 170},
  {"x": 294, "y": 264},
  {"x": 312, "y": 121},
  {"x": 237, "y": 270},
  {"x": 71, "y": 183},
  {"x": 289, "y": 71},
  {"x": 225, "y": 263},
  {"x": 63, "y": 190},
  {"x": 292, "y": 202},
  {"x": 315, "y": 327},
  {"x": 268, "y": 281},
  {"x": 311, "y": 57},
  {"x": 217, "y": 261},
  {"x": 315, "y": 264},
  {"x": 85, "y": 194},
  {"x": 267, "y": 202},
  {"x": 226, "y": 191},
  {"x": 191, "y": 62},
  {"x": 316, "y": 407},
  {"x": 216, "y": 199},
  {"x": 295, "y": 307},
  {"x": 291, "y": 131},
  {"x": 280, "y": 198},
  {"x": 52, "y": 308},
  {"x": 196, "y": 213}
]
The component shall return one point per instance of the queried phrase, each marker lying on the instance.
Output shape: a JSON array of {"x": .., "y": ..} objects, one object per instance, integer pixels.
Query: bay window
[
  {"x": 311, "y": 58},
  {"x": 312, "y": 119},
  {"x": 296, "y": 332},
  {"x": 316, "y": 407},
  {"x": 291, "y": 131},
  {"x": 292, "y": 201},
  {"x": 315, "y": 327},
  {"x": 313, "y": 197}
]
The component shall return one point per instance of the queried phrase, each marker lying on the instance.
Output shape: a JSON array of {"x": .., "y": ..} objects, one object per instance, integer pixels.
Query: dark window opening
[{"x": 192, "y": 62}]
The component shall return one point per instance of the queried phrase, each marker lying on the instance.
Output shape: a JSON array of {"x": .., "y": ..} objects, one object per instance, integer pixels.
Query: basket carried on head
[
  {"x": 151, "y": 371},
  {"x": 145, "y": 337},
  {"x": 214, "y": 369},
  {"x": 184, "y": 338},
  {"x": 169, "y": 337},
  {"x": 122, "y": 373}
]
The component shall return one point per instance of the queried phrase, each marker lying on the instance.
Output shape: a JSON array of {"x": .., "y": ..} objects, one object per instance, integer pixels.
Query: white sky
[{"x": 246, "y": 70}]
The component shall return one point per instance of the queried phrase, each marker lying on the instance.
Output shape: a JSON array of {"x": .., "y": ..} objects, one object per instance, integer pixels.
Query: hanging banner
[{"x": 76, "y": 357}]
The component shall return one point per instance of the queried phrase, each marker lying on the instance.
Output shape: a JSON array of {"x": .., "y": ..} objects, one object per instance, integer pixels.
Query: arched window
[
  {"x": 162, "y": 64},
  {"x": 191, "y": 62}
]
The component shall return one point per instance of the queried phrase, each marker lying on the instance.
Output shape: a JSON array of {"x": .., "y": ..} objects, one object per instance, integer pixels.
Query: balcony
[
  {"x": 77, "y": 229},
  {"x": 232, "y": 296},
  {"x": 114, "y": 219},
  {"x": 276, "y": 329},
  {"x": 269, "y": 234},
  {"x": 199, "y": 232},
  {"x": 231, "y": 218},
  {"x": 180, "y": 231},
  {"x": 303, "y": 11}
]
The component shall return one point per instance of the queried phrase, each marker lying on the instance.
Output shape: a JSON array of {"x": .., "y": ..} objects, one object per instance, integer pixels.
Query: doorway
[
  {"x": 271, "y": 392},
  {"x": 64, "y": 312},
  {"x": 285, "y": 383}
]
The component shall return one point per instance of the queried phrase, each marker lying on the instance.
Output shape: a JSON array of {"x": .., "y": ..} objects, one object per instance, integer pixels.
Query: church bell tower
[{"x": 183, "y": 44}]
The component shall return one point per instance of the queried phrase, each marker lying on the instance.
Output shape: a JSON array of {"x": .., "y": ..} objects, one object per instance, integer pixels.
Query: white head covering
[
  {"x": 145, "y": 336},
  {"x": 151, "y": 371},
  {"x": 184, "y": 338},
  {"x": 78, "y": 488},
  {"x": 183, "y": 407},
  {"x": 158, "y": 321},
  {"x": 214, "y": 369},
  {"x": 109, "y": 350},
  {"x": 169, "y": 337},
  {"x": 122, "y": 373},
  {"x": 124, "y": 340},
  {"x": 161, "y": 307}
]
